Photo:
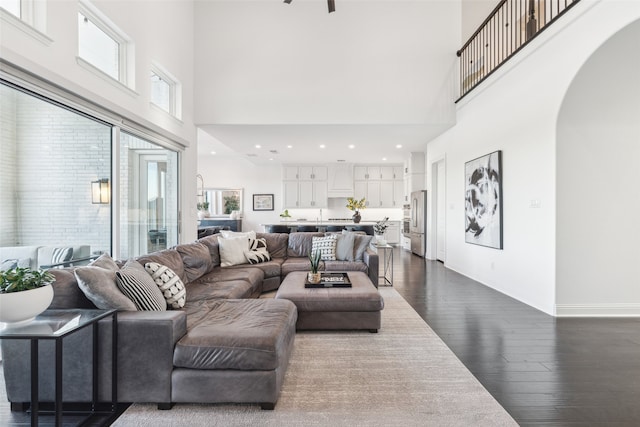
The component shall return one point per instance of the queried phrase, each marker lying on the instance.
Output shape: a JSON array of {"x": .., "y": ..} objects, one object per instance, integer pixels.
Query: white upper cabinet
[
  {"x": 304, "y": 186},
  {"x": 311, "y": 173}
]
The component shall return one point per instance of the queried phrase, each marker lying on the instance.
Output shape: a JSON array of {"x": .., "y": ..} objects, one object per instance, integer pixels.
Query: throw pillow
[
  {"x": 360, "y": 245},
  {"x": 232, "y": 251},
  {"x": 169, "y": 284},
  {"x": 344, "y": 247},
  {"x": 98, "y": 282},
  {"x": 257, "y": 252},
  {"x": 134, "y": 281},
  {"x": 228, "y": 234},
  {"x": 61, "y": 255},
  {"x": 326, "y": 245},
  {"x": 8, "y": 264}
]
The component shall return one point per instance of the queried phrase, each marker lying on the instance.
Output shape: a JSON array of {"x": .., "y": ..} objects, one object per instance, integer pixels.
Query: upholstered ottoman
[
  {"x": 234, "y": 351},
  {"x": 357, "y": 307}
]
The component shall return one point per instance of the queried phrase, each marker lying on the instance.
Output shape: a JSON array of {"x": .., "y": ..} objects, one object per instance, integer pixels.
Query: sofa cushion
[
  {"x": 238, "y": 334},
  {"x": 196, "y": 260},
  {"x": 9, "y": 264},
  {"x": 137, "y": 284},
  {"x": 66, "y": 292},
  {"x": 228, "y": 289},
  {"x": 276, "y": 243},
  {"x": 300, "y": 244},
  {"x": 98, "y": 282},
  {"x": 326, "y": 245},
  {"x": 211, "y": 242},
  {"x": 345, "y": 266},
  {"x": 169, "y": 284},
  {"x": 221, "y": 274},
  {"x": 298, "y": 264},
  {"x": 232, "y": 250},
  {"x": 270, "y": 268},
  {"x": 169, "y": 257}
]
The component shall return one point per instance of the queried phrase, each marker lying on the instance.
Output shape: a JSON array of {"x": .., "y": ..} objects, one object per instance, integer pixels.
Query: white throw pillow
[
  {"x": 169, "y": 283},
  {"x": 227, "y": 234},
  {"x": 232, "y": 250}
]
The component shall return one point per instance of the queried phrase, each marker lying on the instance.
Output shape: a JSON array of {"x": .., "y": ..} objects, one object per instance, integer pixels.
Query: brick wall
[{"x": 52, "y": 156}]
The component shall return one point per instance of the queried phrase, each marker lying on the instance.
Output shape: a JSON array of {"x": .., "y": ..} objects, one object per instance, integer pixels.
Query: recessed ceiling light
[
  {"x": 213, "y": 152},
  {"x": 352, "y": 146},
  {"x": 258, "y": 146},
  {"x": 271, "y": 158},
  {"x": 322, "y": 146},
  {"x": 399, "y": 146},
  {"x": 289, "y": 146},
  {"x": 384, "y": 159}
]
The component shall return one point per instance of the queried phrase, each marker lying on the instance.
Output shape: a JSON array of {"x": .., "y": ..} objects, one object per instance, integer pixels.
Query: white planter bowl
[{"x": 24, "y": 306}]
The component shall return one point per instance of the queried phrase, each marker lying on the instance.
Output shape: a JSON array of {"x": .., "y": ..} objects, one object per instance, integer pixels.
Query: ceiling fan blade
[
  {"x": 287, "y": 1},
  {"x": 332, "y": 5}
]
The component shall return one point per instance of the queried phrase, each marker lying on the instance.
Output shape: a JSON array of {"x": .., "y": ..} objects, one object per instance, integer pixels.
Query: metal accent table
[
  {"x": 55, "y": 325},
  {"x": 387, "y": 264}
]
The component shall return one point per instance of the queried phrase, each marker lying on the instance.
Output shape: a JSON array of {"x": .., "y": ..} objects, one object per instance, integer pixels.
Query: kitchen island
[{"x": 392, "y": 235}]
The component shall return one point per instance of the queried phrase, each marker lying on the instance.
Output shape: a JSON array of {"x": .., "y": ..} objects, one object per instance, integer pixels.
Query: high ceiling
[{"x": 291, "y": 77}]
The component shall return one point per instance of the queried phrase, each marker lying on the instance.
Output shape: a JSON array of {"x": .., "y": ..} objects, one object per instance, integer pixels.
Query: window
[
  {"x": 104, "y": 46},
  {"x": 166, "y": 91},
  {"x": 29, "y": 16},
  {"x": 49, "y": 156},
  {"x": 12, "y": 6}
]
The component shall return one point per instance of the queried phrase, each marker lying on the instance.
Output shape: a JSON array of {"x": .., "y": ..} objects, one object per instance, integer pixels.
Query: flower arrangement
[
  {"x": 355, "y": 204},
  {"x": 285, "y": 214},
  {"x": 381, "y": 226}
]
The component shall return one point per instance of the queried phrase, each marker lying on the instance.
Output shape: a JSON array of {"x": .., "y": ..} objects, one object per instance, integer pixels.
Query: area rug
[{"x": 402, "y": 376}]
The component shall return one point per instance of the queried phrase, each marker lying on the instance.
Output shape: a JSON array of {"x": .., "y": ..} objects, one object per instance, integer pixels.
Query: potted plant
[
  {"x": 203, "y": 210},
  {"x": 314, "y": 276},
  {"x": 285, "y": 215},
  {"x": 356, "y": 205},
  {"x": 379, "y": 228},
  {"x": 24, "y": 293}
]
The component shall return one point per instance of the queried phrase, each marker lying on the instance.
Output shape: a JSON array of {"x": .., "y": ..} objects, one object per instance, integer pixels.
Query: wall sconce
[
  {"x": 200, "y": 180},
  {"x": 100, "y": 192}
]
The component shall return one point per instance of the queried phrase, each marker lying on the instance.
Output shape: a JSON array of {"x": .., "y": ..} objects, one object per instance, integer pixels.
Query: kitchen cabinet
[
  {"x": 381, "y": 185},
  {"x": 365, "y": 173},
  {"x": 304, "y": 186},
  {"x": 392, "y": 233},
  {"x": 370, "y": 190}
]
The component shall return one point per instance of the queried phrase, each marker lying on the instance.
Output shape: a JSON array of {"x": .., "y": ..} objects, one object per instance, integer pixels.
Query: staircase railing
[{"x": 511, "y": 25}]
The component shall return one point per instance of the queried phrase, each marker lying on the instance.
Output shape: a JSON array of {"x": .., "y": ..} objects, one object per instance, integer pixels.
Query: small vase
[
  {"x": 356, "y": 217},
  {"x": 313, "y": 277},
  {"x": 380, "y": 240}
]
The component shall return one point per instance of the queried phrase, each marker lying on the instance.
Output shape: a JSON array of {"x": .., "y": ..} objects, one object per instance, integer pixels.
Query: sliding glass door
[{"x": 148, "y": 196}]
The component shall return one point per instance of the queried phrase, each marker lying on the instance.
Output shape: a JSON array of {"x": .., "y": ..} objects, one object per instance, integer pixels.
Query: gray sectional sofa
[{"x": 224, "y": 345}]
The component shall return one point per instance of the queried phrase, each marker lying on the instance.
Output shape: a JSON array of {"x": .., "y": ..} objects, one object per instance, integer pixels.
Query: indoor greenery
[
  {"x": 23, "y": 279},
  {"x": 314, "y": 258},
  {"x": 355, "y": 204},
  {"x": 381, "y": 226},
  {"x": 231, "y": 203},
  {"x": 203, "y": 206},
  {"x": 285, "y": 214}
]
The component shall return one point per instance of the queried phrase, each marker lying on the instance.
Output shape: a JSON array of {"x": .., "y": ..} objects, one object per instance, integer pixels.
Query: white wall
[
  {"x": 162, "y": 32},
  {"x": 515, "y": 111},
  {"x": 598, "y": 175}
]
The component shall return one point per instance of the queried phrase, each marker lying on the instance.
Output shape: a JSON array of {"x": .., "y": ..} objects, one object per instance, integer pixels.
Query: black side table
[{"x": 55, "y": 325}]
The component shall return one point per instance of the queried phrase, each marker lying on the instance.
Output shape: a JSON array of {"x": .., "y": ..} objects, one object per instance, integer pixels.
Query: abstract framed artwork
[
  {"x": 483, "y": 200},
  {"x": 263, "y": 202}
]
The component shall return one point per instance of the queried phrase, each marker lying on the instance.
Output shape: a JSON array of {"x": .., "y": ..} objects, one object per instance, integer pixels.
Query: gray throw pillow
[
  {"x": 137, "y": 284},
  {"x": 98, "y": 282},
  {"x": 344, "y": 247},
  {"x": 360, "y": 245}
]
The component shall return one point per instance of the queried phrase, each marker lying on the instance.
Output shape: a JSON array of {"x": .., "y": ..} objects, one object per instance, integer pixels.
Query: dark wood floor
[{"x": 544, "y": 371}]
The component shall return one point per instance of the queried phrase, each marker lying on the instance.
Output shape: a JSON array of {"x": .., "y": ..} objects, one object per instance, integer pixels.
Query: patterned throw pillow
[
  {"x": 257, "y": 252},
  {"x": 169, "y": 283},
  {"x": 139, "y": 287},
  {"x": 326, "y": 245},
  {"x": 61, "y": 255}
]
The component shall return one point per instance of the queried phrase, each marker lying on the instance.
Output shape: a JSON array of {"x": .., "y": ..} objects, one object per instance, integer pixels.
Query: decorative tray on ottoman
[{"x": 330, "y": 280}]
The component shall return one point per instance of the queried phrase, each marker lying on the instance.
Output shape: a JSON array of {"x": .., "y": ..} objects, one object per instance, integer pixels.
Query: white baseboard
[{"x": 598, "y": 310}]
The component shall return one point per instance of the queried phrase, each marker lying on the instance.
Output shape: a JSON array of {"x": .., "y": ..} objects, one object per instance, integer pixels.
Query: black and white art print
[{"x": 483, "y": 200}]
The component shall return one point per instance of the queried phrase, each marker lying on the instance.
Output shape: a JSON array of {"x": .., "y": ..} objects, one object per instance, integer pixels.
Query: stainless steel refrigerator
[{"x": 418, "y": 225}]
